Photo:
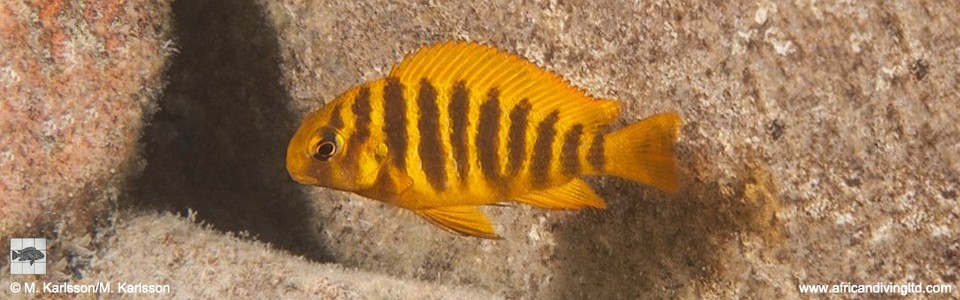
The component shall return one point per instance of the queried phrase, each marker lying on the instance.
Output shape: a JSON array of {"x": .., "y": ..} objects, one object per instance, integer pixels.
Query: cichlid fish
[
  {"x": 458, "y": 125},
  {"x": 28, "y": 253}
]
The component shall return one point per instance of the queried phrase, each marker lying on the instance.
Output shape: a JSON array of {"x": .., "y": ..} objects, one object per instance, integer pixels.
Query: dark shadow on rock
[
  {"x": 218, "y": 144},
  {"x": 648, "y": 244}
]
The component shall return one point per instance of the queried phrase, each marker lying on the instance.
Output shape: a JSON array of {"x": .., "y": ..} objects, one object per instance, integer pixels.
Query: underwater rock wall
[
  {"x": 820, "y": 145},
  {"x": 78, "y": 81}
]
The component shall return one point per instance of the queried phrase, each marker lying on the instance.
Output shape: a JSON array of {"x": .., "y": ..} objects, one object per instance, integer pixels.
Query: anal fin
[
  {"x": 467, "y": 220},
  {"x": 571, "y": 195}
]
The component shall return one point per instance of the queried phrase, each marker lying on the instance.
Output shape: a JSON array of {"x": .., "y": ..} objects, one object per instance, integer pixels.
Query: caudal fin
[
  {"x": 643, "y": 151},
  {"x": 16, "y": 255}
]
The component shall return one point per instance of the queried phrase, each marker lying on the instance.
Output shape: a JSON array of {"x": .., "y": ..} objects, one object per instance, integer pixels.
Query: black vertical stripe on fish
[
  {"x": 361, "y": 110},
  {"x": 395, "y": 121},
  {"x": 336, "y": 120},
  {"x": 458, "y": 111},
  {"x": 595, "y": 155},
  {"x": 570, "y": 156},
  {"x": 487, "y": 141},
  {"x": 517, "y": 136},
  {"x": 543, "y": 149},
  {"x": 430, "y": 148}
]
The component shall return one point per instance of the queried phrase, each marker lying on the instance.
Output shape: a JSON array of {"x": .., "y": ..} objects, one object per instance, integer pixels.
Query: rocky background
[
  {"x": 821, "y": 145},
  {"x": 79, "y": 81}
]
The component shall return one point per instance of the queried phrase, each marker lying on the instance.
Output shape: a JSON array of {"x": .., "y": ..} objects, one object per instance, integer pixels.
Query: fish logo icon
[
  {"x": 28, "y": 256},
  {"x": 28, "y": 253}
]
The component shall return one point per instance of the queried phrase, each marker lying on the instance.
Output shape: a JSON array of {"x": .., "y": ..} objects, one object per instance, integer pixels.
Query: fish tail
[
  {"x": 643, "y": 151},
  {"x": 16, "y": 254}
]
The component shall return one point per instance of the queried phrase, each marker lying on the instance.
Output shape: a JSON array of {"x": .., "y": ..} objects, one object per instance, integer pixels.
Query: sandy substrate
[{"x": 821, "y": 144}]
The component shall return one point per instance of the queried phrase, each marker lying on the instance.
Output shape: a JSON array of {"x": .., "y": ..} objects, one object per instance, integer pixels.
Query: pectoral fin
[
  {"x": 467, "y": 220},
  {"x": 393, "y": 181},
  {"x": 572, "y": 195}
]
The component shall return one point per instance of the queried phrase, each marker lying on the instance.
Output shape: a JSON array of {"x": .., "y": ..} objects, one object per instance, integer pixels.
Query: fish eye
[
  {"x": 324, "y": 150},
  {"x": 328, "y": 146}
]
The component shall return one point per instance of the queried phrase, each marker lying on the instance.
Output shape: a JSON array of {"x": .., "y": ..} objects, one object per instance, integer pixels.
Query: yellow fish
[{"x": 458, "y": 125}]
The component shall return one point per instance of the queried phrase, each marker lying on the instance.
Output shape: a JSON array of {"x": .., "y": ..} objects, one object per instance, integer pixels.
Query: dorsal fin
[{"x": 482, "y": 68}]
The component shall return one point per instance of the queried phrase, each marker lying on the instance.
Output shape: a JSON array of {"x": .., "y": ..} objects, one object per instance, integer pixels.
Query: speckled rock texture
[
  {"x": 77, "y": 80},
  {"x": 201, "y": 263},
  {"x": 821, "y": 145}
]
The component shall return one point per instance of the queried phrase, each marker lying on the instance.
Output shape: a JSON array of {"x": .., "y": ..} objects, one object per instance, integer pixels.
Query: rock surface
[
  {"x": 77, "y": 79},
  {"x": 821, "y": 145},
  {"x": 202, "y": 263}
]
